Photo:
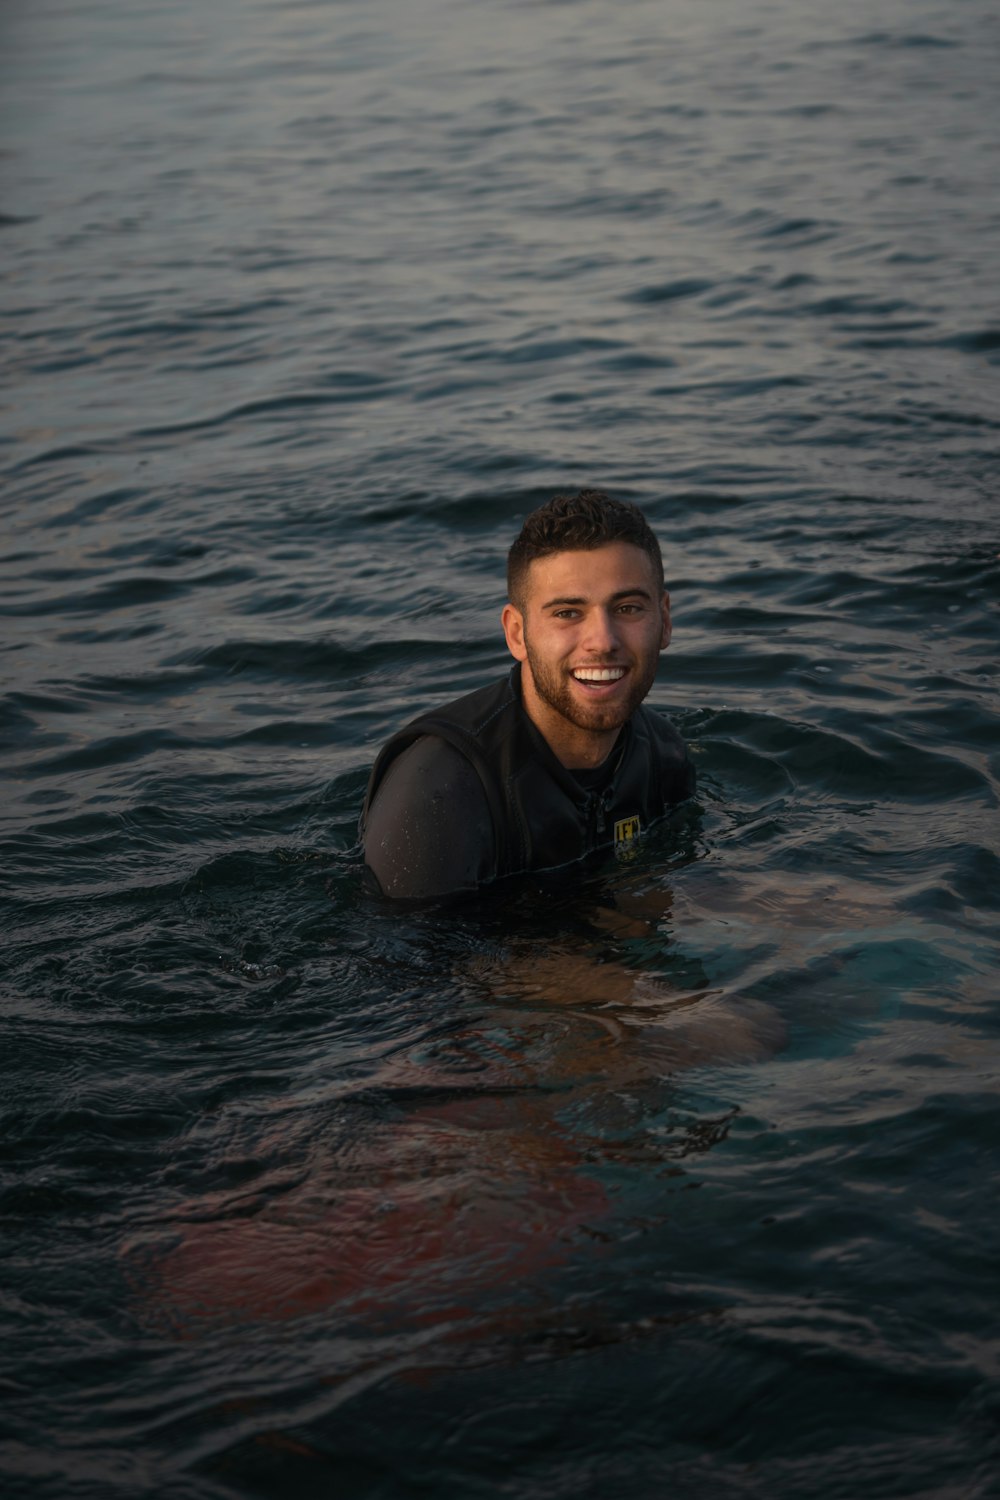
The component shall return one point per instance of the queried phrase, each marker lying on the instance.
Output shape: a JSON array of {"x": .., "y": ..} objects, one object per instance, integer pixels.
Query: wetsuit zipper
[
  {"x": 592, "y": 801},
  {"x": 597, "y": 815}
]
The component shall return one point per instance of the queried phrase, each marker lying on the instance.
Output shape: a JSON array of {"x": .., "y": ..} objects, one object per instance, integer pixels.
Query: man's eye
[
  {"x": 630, "y": 609},
  {"x": 565, "y": 614}
]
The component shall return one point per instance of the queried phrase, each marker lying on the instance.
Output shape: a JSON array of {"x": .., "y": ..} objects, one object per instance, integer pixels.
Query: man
[{"x": 559, "y": 758}]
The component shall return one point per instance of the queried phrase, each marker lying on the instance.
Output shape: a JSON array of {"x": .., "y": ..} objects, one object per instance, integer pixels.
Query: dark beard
[{"x": 553, "y": 688}]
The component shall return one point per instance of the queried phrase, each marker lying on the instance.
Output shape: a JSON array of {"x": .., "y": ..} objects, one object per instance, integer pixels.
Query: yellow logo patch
[{"x": 626, "y": 829}]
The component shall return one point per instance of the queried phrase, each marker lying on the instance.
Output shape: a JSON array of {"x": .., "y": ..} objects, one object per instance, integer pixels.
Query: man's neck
[{"x": 574, "y": 748}]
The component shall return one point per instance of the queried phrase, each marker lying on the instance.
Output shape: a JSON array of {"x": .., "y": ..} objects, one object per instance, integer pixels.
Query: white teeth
[{"x": 598, "y": 674}]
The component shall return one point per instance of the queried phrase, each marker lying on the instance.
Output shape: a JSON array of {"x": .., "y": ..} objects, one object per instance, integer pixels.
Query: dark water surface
[{"x": 674, "y": 1177}]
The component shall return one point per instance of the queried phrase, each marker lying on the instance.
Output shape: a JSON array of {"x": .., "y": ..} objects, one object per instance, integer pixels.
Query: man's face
[{"x": 589, "y": 635}]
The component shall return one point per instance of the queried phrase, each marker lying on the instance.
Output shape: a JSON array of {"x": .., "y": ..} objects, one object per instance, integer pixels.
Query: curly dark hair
[{"x": 577, "y": 523}]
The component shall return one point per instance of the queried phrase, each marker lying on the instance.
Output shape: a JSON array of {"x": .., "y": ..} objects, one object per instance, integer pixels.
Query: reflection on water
[{"x": 473, "y": 1158}]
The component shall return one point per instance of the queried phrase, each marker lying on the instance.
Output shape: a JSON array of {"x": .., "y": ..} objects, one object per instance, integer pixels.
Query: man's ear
[
  {"x": 667, "y": 626},
  {"x": 513, "y": 628}
]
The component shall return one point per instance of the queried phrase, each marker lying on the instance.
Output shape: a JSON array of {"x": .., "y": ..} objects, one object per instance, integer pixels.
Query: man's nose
[{"x": 600, "y": 636}]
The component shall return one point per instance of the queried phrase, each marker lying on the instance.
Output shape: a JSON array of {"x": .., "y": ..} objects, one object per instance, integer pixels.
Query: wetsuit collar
[{"x": 547, "y": 755}]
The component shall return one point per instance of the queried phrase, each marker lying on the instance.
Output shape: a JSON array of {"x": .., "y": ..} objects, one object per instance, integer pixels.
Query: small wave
[
  {"x": 62, "y": 453},
  {"x": 858, "y": 305},
  {"x": 902, "y": 39},
  {"x": 109, "y": 750},
  {"x": 975, "y": 341},
  {"x": 324, "y": 660},
  {"x": 139, "y": 591},
  {"x": 289, "y": 404},
  {"x": 800, "y": 231},
  {"x": 670, "y": 291},
  {"x": 834, "y": 759},
  {"x": 192, "y": 321}
]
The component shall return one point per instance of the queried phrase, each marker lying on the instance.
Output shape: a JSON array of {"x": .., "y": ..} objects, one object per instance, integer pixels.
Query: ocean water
[{"x": 675, "y": 1176}]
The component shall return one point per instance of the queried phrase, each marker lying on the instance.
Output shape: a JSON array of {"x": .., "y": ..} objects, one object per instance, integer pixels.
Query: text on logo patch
[{"x": 626, "y": 829}]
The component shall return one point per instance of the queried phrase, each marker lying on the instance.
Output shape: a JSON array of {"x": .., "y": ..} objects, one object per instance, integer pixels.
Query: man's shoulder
[
  {"x": 658, "y": 728},
  {"x": 429, "y": 830},
  {"x": 667, "y": 751},
  {"x": 460, "y": 728},
  {"x": 471, "y": 714}
]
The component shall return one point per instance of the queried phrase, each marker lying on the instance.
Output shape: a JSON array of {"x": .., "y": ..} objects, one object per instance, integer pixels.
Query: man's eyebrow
[{"x": 637, "y": 592}]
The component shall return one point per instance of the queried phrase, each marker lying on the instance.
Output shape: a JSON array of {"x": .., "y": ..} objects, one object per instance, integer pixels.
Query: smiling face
[{"x": 592, "y": 626}]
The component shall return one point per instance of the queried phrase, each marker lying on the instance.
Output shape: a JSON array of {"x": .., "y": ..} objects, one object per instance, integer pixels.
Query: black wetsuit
[{"x": 472, "y": 791}]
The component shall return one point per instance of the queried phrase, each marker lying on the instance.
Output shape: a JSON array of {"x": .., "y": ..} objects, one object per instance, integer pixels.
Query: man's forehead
[{"x": 607, "y": 569}]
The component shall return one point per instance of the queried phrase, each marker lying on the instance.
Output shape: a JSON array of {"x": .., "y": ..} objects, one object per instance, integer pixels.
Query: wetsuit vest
[{"x": 542, "y": 816}]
